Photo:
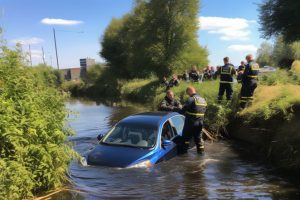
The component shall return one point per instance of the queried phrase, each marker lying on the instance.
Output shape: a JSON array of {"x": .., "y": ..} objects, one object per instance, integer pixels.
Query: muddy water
[{"x": 222, "y": 173}]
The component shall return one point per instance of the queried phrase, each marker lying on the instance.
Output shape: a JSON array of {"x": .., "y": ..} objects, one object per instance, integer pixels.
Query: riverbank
[{"x": 272, "y": 123}]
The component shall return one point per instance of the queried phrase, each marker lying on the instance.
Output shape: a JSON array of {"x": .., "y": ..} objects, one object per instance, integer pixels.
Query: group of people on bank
[
  {"x": 195, "y": 107},
  {"x": 193, "y": 75}
]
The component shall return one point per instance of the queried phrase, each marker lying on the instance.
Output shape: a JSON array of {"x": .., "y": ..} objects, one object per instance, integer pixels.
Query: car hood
[{"x": 115, "y": 156}]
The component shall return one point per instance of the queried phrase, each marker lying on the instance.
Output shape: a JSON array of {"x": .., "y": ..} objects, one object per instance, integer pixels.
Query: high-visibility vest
[
  {"x": 226, "y": 73},
  {"x": 197, "y": 108},
  {"x": 251, "y": 71}
]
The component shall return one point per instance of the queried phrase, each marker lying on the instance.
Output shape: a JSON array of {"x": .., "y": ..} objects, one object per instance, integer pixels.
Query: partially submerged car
[{"x": 140, "y": 140}]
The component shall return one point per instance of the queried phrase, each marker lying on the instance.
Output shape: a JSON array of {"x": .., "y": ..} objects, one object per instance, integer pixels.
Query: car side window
[
  {"x": 178, "y": 123},
  {"x": 167, "y": 132}
]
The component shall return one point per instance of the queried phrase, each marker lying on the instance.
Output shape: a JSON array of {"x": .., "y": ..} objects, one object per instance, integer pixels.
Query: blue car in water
[{"x": 140, "y": 140}]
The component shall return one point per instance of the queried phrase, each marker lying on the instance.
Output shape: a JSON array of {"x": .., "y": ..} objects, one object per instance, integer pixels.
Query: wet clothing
[
  {"x": 239, "y": 76},
  {"x": 194, "y": 110},
  {"x": 172, "y": 105},
  {"x": 249, "y": 83},
  {"x": 226, "y": 73},
  {"x": 194, "y": 76}
]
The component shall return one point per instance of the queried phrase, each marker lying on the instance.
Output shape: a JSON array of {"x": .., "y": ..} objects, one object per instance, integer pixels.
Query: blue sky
[{"x": 228, "y": 27}]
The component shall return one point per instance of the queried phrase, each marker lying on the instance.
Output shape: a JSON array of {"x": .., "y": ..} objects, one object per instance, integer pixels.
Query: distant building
[
  {"x": 85, "y": 63},
  {"x": 72, "y": 73}
]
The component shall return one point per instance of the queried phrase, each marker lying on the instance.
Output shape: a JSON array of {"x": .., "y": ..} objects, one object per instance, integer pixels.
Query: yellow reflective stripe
[
  {"x": 247, "y": 97},
  {"x": 226, "y": 82},
  {"x": 199, "y": 104},
  {"x": 195, "y": 114}
]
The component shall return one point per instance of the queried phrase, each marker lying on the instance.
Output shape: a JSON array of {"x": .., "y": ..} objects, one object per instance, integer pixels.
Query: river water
[{"x": 222, "y": 173}]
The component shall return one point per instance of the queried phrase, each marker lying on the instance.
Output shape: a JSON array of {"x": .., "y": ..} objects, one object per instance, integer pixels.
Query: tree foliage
[
  {"x": 157, "y": 37},
  {"x": 33, "y": 153},
  {"x": 264, "y": 54},
  {"x": 280, "y": 17},
  {"x": 281, "y": 54}
]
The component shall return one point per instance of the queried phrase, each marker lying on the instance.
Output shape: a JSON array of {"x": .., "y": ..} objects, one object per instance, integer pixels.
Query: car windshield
[{"x": 131, "y": 135}]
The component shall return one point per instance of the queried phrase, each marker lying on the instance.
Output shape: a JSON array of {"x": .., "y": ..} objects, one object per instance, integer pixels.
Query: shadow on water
[{"x": 221, "y": 173}]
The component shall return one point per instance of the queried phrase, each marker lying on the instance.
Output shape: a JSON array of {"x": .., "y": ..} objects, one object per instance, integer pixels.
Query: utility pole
[
  {"x": 55, "y": 49},
  {"x": 30, "y": 55},
  {"x": 43, "y": 56},
  {"x": 51, "y": 61}
]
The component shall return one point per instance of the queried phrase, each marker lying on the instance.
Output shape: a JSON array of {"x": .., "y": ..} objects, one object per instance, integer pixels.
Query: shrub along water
[{"x": 34, "y": 155}]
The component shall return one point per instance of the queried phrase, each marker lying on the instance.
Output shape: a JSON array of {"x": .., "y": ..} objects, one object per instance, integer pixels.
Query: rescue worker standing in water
[
  {"x": 194, "y": 110},
  {"x": 249, "y": 81},
  {"x": 226, "y": 73}
]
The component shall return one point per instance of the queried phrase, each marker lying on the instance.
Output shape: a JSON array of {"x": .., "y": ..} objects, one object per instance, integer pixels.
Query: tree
[
  {"x": 280, "y": 17},
  {"x": 264, "y": 54},
  {"x": 157, "y": 37},
  {"x": 282, "y": 53},
  {"x": 172, "y": 33}
]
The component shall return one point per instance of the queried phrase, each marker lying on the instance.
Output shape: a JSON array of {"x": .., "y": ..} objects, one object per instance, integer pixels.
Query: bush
[
  {"x": 33, "y": 154},
  {"x": 75, "y": 87},
  {"x": 296, "y": 66}
]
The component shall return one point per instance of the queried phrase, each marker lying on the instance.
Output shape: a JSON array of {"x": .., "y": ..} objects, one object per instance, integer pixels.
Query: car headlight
[{"x": 142, "y": 164}]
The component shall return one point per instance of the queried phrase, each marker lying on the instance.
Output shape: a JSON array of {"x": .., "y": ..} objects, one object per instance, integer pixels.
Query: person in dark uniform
[
  {"x": 194, "y": 74},
  {"x": 170, "y": 103},
  {"x": 174, "y": 81},
  {"x": 194, "y": 110},
  {"x": 226, "y": 73},
  {"x": 240, "y": 72},
  {"x": 249, "y": 81},
  {"x": 164, "y": 82}
]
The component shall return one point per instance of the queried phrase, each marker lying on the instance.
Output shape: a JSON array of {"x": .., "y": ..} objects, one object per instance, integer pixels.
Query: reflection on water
[{"x": 220, "y": 174}]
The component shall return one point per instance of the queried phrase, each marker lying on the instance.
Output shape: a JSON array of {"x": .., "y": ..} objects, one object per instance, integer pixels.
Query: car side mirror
[
  {"x": 100, "y": 137},
  {"x": 166, "y": 143}
]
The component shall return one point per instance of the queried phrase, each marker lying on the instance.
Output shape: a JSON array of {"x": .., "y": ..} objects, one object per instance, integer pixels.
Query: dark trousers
[
  {"x": 247, "y": 91},
  {"x": 192, "y": 129},
  {"x": 225, "y": 87}
]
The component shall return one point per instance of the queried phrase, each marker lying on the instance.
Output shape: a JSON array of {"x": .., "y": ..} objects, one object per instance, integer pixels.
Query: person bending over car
[
  {"x": 170, "y": 103},
  {"x": 194, "y": 110}
]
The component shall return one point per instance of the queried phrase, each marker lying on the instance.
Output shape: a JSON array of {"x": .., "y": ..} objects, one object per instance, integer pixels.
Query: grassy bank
[{"x": 272, "y": 123}]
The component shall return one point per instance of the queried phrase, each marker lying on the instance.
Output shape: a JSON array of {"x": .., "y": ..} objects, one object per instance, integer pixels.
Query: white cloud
[
  {"x": 36, "y": 54},
  {"x": 243, "y": 48},
  {"x": 53, "y": 21},
  {"x": 227, "y": 28},
  {"x": 27, "y": 41}
]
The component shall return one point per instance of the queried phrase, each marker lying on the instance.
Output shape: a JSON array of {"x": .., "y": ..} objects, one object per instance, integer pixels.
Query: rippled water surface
[{"x": 221, "y": 173}]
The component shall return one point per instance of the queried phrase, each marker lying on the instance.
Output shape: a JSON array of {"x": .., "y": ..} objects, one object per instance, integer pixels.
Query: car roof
[{"x": 148, "y": 119}]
